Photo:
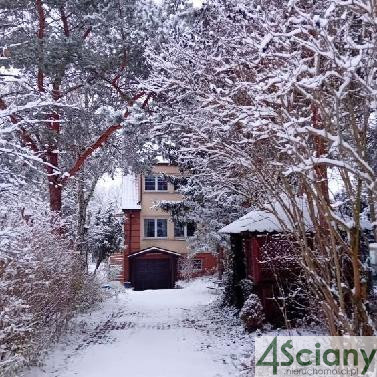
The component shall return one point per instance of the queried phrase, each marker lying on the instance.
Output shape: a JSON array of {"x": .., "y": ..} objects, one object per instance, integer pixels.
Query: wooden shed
[
  {"x": 258, "y": 247},
  {"x": 153, "y": 268}
]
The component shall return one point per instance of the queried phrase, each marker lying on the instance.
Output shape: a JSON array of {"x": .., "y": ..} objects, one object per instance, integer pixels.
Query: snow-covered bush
[
  {"x": 252, "y": 314},
  {"x": 114, "y": 271},
  {"x": 247, "y": 288},
  {"x": 42, "y": 284},
  {"x": 234, "y": 279},
  {"x": 186, "y": 268}
]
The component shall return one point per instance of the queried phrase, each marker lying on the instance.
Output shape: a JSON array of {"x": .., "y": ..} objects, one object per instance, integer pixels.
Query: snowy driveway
[{"x": 164, "y": 333}]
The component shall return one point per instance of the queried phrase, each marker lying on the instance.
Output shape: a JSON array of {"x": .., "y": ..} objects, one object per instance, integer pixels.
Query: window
[
  {"x": 154, "y": 183},
  {"x": 162, "y": 228},
  {"x": 190, "y": 264},
  {"x": 184, "y": 230},
  {"x": 162, "y": 184},
  {"x": 179, "y": 230},
  {"x": 197, "y": 264},
  {"x": 150, "y": 183},
  {"x": 190, "y": 229},
  {"x": 179, "y": 182},
  {"x": 155, "y": 228},
  {"x": 149, "y": 228}
]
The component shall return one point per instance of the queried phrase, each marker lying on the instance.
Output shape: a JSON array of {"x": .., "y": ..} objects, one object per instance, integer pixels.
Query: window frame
[
  {"x": 156, "y": 183},
  {"x": 185, "y": 233},
  {"x": 193, "y": 264},
  {"x": 147, "y": 177},
  {"x": 146, "y": 227},
  {"x": 163, "y": 181},
  {"x": 193, "y": 229},
  {"x": 178, "y": 184},
  {"x": 180, "y": 265},
  {"x": 155, "y": 228}
]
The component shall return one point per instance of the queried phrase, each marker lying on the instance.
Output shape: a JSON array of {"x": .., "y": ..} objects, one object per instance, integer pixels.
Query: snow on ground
[{"x": 164, "y": 333}]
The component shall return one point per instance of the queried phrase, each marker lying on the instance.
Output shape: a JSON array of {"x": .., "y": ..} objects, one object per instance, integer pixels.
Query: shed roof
[
  {"x": 154, "y": 249},
  {"x": 273, "y": 219},
  {"x": 130, "y": 192}
]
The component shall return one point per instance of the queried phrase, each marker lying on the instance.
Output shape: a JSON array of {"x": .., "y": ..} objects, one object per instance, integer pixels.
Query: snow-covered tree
[
  {"x": 191, "y": 85},
  {"x": 263, "y": 101},
  {"x": 69, "y": 73},
  {"x": 105, "y": 234},
  {"x": 77, "y": 65}
]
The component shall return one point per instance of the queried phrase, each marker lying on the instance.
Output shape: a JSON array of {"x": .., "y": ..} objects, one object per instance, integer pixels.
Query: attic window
[{"x": 155, "y": 183}]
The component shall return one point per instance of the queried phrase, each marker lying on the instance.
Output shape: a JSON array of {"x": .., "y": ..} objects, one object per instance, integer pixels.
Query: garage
[{"x": 153, "y": 268}]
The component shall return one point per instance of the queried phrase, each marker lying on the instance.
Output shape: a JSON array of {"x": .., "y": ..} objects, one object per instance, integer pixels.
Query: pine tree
[
  {"x": 105, "y": 235},
  {"x": 77, "y": 65}
]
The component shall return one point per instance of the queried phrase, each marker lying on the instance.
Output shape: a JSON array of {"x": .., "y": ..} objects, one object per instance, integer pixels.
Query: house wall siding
[
  {"x": 131, "y": 239},
  {"x": 132, "y": 230},
  {"x": 148, "y": 211},
  {"x": 134, "y": 225},
  {"x": 209, "y": 265}
]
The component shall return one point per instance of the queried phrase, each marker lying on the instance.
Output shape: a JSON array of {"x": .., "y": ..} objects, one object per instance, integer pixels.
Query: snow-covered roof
[
  {"x": 130, "y": 192},
  {"x": 154, "y": 248},
  {"x": 365, "y": 224},
  {"x": 162, "y": 160},
  {"x": 265, "y": 221}
]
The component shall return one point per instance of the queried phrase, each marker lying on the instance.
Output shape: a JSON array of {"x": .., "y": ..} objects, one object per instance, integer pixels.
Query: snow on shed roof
[
  {"x": 265, "y": 221},
  {"x": 130, "y": 192}
]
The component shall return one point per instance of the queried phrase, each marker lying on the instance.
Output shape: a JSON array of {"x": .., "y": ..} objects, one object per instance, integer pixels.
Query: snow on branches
[
  {"x": 41, "y": 285},
  {"x": 264, "y": 98}
]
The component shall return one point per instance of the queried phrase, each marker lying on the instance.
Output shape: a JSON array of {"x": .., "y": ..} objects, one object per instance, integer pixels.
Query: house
[
  {"x": 263, "y": 251},
  {"x": 155, "y": 247}
]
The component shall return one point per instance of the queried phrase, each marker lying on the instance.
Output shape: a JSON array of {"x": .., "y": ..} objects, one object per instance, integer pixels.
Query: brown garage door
[{"x": 151, "y": 274}]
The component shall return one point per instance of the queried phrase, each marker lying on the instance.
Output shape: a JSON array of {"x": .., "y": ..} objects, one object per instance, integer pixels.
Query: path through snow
[{"x": 164, "y": 333}]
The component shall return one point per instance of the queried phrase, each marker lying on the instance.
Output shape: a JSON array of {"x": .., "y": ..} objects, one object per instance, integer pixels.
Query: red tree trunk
[{"x": 55, "y": 193}]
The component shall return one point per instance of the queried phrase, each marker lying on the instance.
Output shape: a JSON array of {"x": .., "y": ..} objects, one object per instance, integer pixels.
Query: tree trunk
[
  {"x": 81, "y": 221},
  {"x": 83, "y": 202},
  {"x": 55, "y": 193},
  {"x": 372, "y": 211}
]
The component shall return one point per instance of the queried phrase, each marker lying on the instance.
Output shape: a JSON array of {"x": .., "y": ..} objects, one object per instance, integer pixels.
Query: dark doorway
[{"x": 151, "y": 274}]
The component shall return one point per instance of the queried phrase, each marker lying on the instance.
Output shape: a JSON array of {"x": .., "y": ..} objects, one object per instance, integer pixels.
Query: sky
[
  {"x": 109, "y": 190},
  {"x": 197, "y": 3}
]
